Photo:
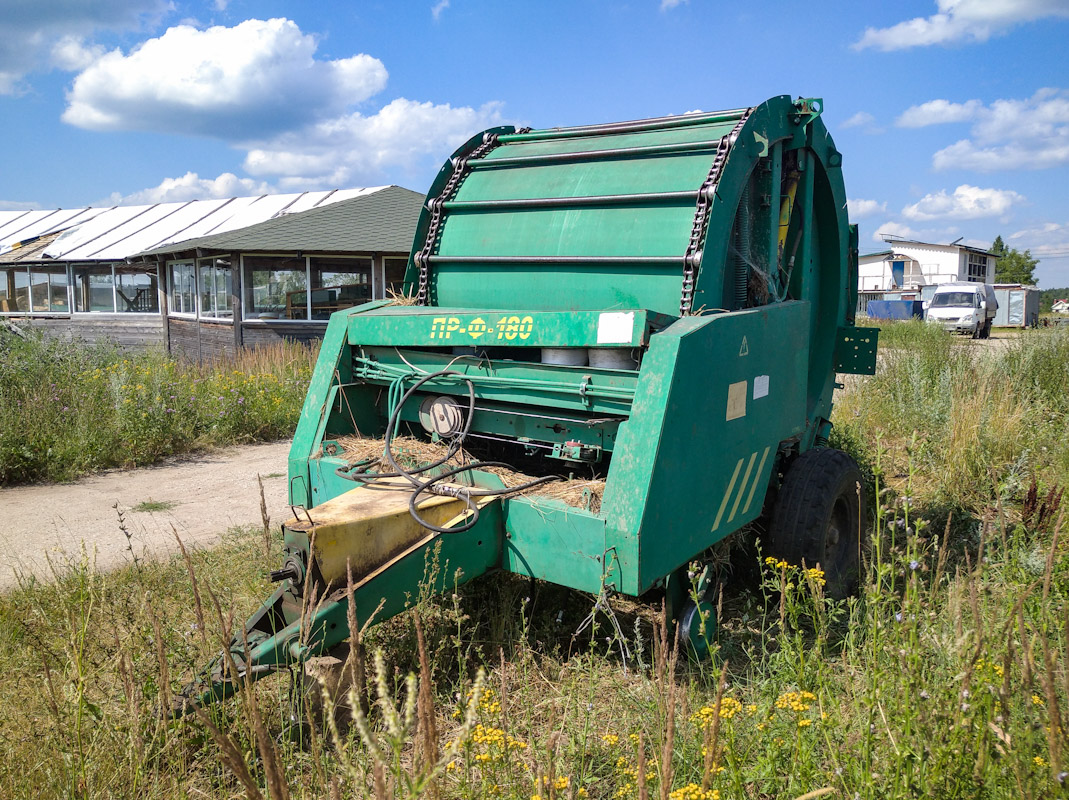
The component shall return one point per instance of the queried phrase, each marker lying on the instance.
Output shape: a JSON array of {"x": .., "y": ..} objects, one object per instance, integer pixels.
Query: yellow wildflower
[{"x": 694, "y": 791}]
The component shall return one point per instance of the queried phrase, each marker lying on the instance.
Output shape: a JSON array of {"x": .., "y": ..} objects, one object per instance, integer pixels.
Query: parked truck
[{"x": 964, "y": 307}]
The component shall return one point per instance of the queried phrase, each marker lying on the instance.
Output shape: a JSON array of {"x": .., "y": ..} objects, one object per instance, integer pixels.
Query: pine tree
[{"x": 1013, "y": 266}]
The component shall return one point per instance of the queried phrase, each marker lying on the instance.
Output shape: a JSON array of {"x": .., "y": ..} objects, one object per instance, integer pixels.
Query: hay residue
[
  {"x": 400, "y": 298},
  {"x": 412, "y": 452}
]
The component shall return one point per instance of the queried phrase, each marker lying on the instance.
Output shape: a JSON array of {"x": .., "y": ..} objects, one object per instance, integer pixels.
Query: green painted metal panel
[
  {"x": 533, "y": 424},
  {"x": 668, "y": 173},
  {"x": 576, "y": 287},
  {"x": 660, "y": 230},
  {"x": 692, "y": 464},
  {"x": 434, "y": 326},
  {"x": 549, "y": 540},
  {"x": 598, "y": 391},
  {"x": 332, "y": 359},
  {"x": 855, "y": 350},
  {"x": 460, "y": 557}
]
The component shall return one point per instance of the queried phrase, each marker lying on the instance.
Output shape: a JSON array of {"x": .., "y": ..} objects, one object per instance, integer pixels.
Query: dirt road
[{"x": 202, "y": 497}]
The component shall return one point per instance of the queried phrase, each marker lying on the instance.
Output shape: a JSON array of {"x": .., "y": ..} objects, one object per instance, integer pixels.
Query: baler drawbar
[{"x": 662, "y": 304}]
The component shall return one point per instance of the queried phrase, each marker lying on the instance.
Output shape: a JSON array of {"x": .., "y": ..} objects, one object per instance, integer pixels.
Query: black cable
[
  {"x": 346, "y": 470},
  {"x": 422, "y": 486},
  {"x": 465, "y": 493}
]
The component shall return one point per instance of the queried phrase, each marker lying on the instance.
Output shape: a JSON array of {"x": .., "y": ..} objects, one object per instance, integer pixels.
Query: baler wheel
[
  {"x": 694, "y": 636},
  {"x": 817, "y": 516}
]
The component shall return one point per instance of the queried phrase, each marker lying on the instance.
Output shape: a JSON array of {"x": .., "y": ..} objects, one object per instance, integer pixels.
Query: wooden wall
[
  {"x": 129, "y": 331},
  {"x": 200, "y": 341},
  {"x": 257, "y": 333},
  {"x": 204, "y": 341}
]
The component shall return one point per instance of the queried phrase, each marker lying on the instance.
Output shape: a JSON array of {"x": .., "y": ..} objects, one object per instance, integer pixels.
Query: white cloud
[
  {"x": 438, "y": 8},
  {"x": 967, "y": 202},
  {"x": 893, "y": 229},
  {"x": 31, "y": 32},
  {"x": 859, "y": 209},
  {"x": 252, "y": 80},
  {"x": 192, "y": 187},
  {"x": 357, "y": 149},
  {"x": 961, "y": 21},
  {"x": 667, "y": 4},
  {"x": 71, "y": 53},
  {"x": 860, "y": 119},
  {"x": 259, "y": 86},
  {"x": 863, "y": 120},
  {"x": 937, "y": 112},
  {"x": 1013, "y": 134},
  {"x": 15, "y": 205},
  {"x": 1046, "y": 239}
]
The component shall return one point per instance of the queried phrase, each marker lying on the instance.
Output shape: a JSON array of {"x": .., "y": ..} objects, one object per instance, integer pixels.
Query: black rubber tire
[{"x": 816, "y": 519}]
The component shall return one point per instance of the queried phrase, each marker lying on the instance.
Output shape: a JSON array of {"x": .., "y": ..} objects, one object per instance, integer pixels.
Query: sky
[{"x": 952, "y": 115}]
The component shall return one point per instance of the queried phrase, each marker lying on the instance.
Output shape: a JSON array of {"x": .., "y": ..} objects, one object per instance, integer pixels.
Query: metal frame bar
[
  {"x": 654, "y": 261},
  {"x": 582, "y": 155},
  {"x": 559, "y": 202},
  {"x": 635, "y": 126}
]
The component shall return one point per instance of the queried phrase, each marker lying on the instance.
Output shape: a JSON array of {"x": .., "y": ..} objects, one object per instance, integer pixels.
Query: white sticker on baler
[
  {"x": 616, "y": 327},
  {"x": 760, "y": 386}
]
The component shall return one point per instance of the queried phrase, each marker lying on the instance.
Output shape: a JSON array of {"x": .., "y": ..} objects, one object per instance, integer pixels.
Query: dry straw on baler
[{"x": 412, "y": 452}]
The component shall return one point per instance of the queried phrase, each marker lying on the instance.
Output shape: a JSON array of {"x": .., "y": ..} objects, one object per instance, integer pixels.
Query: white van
[{"x": 964, "y": 307}]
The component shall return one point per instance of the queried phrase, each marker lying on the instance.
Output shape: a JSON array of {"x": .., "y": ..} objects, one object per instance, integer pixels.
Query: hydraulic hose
[{"x": 430, "y": 485}]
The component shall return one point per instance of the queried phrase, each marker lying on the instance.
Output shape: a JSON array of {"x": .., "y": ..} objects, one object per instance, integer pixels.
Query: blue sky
[{"x": 952, "y": 115}]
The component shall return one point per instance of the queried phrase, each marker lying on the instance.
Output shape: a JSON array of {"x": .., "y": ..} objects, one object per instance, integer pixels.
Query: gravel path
[{"x": 202, "y": 496}]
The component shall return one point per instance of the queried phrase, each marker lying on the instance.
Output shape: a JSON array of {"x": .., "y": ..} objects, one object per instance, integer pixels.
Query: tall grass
[
  {"x": 988, "y": 418},
  {"x": 947, "y": 676},
  {"x": 70, "y": 408}
]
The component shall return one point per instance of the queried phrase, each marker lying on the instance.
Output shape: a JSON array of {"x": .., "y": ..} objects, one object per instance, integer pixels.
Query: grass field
[
  {"x": 947, "y": 676},
  {"x": 71, "y": 408}
]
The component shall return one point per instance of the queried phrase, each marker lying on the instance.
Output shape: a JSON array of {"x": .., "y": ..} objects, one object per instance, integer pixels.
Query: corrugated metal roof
[
  {"x": 113, "y": 234},
  {"x": 384, "y": 221},
  {"x": 29, "y": 250}
]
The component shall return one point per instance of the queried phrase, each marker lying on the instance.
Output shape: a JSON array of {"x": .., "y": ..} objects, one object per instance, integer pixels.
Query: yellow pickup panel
[{"x": 369, "y": 525}]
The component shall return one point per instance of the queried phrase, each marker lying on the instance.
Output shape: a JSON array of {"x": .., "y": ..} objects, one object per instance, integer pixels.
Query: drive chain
[{"x": 698, "y": 230}]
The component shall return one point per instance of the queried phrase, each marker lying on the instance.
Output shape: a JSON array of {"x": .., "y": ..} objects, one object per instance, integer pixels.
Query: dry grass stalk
[
  {"x": 643, "y": 789},
  {"x": 427, "y": 728},
  {"x": 314, "y": 744},
  {"x": 50, "y": 697},
  {"x": 666, "y": 655},
  {"x": 551, "y": 773},
  {"x": 503, "y": 694},
  {"x": 401, "y": 298},
  {"x": 264, "y": 517},
  {"x": 133, "y": 707},
  {"x": 379, "y": 778},
  {"x": 712, "y": 733},
  {"x": 413, "y": 452},
  {"x": 161, "y": 659},
  {"x": 198, "y": 608},
  {"x": 356, "y": 662},
  {"x": 277, "y": 785},
  {"x": 230, "y": 754}
]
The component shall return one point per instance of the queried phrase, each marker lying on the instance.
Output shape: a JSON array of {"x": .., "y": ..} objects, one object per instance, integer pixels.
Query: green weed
[{"x": 71, "y": 408}]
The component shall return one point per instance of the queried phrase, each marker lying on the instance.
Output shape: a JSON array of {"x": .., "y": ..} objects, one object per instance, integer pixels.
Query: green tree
[{"x": 1013, "y": 266}]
